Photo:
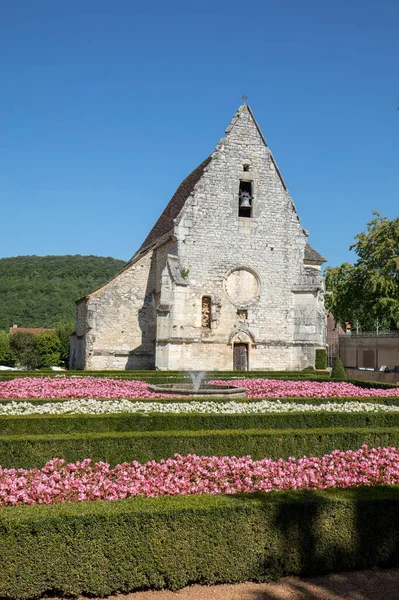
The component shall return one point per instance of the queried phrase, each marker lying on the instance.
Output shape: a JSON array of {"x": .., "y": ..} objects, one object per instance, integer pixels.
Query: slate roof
[
  {"x": 311, "y": 254},
  {"x": 165, "y": 221}
]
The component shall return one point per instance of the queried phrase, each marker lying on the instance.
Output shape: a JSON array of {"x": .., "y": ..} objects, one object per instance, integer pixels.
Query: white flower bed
[{"x": 100, "y": 407}]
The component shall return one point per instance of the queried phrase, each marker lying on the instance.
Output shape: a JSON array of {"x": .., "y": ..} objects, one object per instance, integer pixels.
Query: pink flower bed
[
  {"x": 182, "y": 475},
  {"x": 275, "y": 388},
  {"x": 95, "y": 387},
  {"x": 65, "y": 387}
]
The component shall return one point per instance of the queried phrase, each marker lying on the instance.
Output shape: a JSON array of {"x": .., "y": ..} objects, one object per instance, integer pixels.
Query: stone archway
[
  {"x": 241, "y": 342},
  {"x": 240, "y": 357}
]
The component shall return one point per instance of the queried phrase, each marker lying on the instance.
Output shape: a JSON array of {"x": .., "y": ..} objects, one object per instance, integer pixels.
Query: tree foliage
[
  {"x": 64, "y": 331},
  {"x": 6, "y": 356},
  {"x": 368, "y": 291},
  {"x": 22, "y": 346},
  {"x": 40, "y": 291},
  {"x": 38, "y": 351}
]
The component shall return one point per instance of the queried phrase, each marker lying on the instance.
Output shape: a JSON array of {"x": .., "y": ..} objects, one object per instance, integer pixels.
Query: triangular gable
[
  {"x": 165, "y": 224},
  {"x": 245, "y": 107}
]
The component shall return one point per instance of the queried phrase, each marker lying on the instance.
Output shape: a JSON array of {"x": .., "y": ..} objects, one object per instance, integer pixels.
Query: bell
[{"x": 245, "y": 201}]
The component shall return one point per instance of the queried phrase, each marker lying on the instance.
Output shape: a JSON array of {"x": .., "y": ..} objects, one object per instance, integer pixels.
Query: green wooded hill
[{"x": 40, "y": 291}]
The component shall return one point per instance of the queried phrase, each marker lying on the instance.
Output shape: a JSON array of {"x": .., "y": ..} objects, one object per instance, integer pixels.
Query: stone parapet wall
[{"x": 372, "y": 376}]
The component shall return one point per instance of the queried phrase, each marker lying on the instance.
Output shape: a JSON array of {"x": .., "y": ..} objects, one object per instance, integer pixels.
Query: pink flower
[
  {"x": 76, "y": 482},
  {"x": 96, "y": 387}
]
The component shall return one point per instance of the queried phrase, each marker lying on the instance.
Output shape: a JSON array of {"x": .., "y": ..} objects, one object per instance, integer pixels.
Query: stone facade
[{"x": 225, "y": 279}]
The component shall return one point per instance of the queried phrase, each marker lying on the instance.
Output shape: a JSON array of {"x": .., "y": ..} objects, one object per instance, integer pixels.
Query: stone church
[{"x": 224, "y": 280}]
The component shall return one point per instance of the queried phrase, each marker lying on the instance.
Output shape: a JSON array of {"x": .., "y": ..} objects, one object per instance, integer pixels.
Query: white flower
[{"x": 89, "y": 406}]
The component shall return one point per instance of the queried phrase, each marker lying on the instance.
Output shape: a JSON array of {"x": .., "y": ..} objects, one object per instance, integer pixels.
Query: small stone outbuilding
[{"x": 224, "y": 280}]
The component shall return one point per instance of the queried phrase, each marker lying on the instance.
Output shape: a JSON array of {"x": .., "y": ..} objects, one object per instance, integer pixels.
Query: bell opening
[{"x": 245, "y": 199}]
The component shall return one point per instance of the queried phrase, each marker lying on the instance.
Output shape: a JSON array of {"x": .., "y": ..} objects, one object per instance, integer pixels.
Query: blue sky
[{"x": 106, "y": 106}]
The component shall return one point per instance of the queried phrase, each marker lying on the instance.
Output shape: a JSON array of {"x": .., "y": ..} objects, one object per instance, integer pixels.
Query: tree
[
  {"x": 39, "y": 291},
  {"x": 6, "y": 356},
  {"x": 47, "y": 347},
  {"x": 36, "y": 351},
  {"x": 64, "y": 331},
  {"x": 369, "y": 289},
  {"x": 22, "y": 345}
]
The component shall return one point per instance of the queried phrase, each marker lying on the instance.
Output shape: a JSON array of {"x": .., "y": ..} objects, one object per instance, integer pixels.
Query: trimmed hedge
[
  {"x": 338, "y": 370},
  {"x": 128, "y": 422},
  {"x": 30, "y": 451},
  {"x": 376, "y": 385},
  {"x": 98, "y": 549},
  {"x": 387, "y": 400},
  {"x": 321, "y": 358},
  {"x": 170, "y": 376}
]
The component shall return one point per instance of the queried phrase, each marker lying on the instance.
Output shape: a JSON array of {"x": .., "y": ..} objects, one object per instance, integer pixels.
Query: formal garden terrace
[{"x": 300, "y": 477}]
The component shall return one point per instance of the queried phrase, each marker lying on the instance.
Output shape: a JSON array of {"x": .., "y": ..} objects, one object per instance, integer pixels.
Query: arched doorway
[
  {"x": 241, "y": 341},
  {"x": 240, "y": 356}
]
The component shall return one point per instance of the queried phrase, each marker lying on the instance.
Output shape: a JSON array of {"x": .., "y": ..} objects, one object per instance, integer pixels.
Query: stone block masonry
[{"x": 231, "y": 240}]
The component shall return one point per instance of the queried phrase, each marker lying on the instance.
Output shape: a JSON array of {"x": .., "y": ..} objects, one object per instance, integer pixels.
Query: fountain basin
[{"x": 207, "y": 390}]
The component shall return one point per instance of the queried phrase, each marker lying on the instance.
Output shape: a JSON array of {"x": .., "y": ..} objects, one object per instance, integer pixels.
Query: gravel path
[{"x": 374, "y": 584}]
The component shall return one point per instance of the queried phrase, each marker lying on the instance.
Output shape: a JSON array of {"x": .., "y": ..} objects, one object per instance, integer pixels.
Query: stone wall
[
  {"x": 263, "y": 295},
  {"x": 285, "y": 325},
  {"x": 117, "y": 322},
  {"x": 379, "y": 376},
  {"x": 369, "y": 351}
]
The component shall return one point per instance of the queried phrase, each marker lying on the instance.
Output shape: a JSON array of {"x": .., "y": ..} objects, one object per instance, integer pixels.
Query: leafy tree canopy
[
  {"x": 40, "y": 291},
  {"x": 368, "y": 291},
  {"x": 6, "y": 355}
]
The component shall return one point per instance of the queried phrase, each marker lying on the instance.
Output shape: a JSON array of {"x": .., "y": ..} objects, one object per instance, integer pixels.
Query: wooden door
[{"x": 240, "y": 357}]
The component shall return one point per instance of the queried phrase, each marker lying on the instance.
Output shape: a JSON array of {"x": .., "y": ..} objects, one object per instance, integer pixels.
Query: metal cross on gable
[{"x": 245, "y": 98}]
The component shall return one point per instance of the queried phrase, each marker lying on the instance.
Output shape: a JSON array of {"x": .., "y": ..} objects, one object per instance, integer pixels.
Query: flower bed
[
  {"x": 183, "y": 475},
  {"x": 63, "y": 387},
  {"x": 92, "y": 406},
  {"x": 273, "y": 388},
  {"x": 96, "y": 387}
]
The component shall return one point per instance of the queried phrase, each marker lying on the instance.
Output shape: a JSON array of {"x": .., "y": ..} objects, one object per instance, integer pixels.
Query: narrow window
[
  {"x": 242, "y": 315},
  {"x": 245, "y": 199},
  {"x": 206, "y": 312},
  {"x": 245, "y": 167}
]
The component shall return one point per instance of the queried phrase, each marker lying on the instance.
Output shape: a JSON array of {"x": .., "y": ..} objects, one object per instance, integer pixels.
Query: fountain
[{"x": 197, "y": 388}]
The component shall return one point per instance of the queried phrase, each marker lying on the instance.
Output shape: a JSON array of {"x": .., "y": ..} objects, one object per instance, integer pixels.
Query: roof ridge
[
  {"x": 165, "y": 222},
  {"x": 246, "y": 107}
]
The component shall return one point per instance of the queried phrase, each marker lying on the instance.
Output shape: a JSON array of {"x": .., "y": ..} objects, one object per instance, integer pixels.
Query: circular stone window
[{"x": 242, "y": 286}]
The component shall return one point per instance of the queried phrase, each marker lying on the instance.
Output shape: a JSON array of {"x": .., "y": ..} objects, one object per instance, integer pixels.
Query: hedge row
[
  {"x": 376, "y": 385},
  {"x": 34, "y": 451},
  {"x": 98, "y": 549},
  {"x": 387, "y": 400},
  {"x": 156, "y": 373},
  {"x": 129, "y": 422},
  {"x": 170, "y": 376},
  {"x": 321, "y": 358}
]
